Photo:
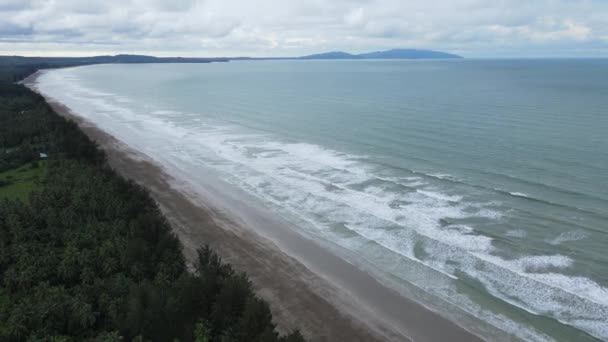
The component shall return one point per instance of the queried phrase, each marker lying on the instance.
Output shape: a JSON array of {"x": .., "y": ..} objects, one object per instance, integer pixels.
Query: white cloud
[
  {"x": 355, "y": 18},
  {"x": 551, "y": 31},
  {"x": 294, "y": 27}
]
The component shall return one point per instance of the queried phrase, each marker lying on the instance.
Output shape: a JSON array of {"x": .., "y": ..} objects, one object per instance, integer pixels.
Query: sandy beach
[{"x": 307, "y": 286}]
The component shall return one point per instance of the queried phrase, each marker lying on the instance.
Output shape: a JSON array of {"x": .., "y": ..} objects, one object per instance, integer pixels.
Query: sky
[{"x": 271, "y": 28}]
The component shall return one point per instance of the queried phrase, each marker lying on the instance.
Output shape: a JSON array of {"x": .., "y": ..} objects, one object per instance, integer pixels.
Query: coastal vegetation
[{"x": 86, "y": 255}]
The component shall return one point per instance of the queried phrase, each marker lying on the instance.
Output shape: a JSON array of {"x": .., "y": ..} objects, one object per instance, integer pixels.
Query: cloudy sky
[{"x": 473, "y": 28}]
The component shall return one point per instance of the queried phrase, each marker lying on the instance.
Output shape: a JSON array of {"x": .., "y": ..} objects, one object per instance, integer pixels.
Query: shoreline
[{"x": 308, "y": 287}]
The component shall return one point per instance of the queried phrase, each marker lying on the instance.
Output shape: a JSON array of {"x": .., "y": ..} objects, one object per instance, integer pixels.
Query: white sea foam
[
  {"x": 441, "y": 176},
  {"x": 409, "y": 182},
  {"x": 574, "y": 235},
  {"x": 519, "y": 194},
  {"x": 490, "y": 213},
  {"x": 564, "y": 297},
  {"x": 440, "y": 196},
  {"x": 542, "y": 262}
]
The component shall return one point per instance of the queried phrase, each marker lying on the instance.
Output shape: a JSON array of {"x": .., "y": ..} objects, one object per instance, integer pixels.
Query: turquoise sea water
[{"x": 483, "y": 184}]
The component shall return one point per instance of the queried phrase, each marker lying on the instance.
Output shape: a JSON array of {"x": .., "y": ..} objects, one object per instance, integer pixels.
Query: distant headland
[{"x": 388, "y": 54}]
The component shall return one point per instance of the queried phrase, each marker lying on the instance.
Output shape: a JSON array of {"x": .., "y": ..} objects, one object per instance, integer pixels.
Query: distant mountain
[
  {"x": 407, "y": 54},
  {"x": 331, "y": 55},
  {"x": 389, "y": 54}
]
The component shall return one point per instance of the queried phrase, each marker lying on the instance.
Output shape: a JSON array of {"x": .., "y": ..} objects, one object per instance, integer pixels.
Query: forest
[{"x": 86, "y": 255}]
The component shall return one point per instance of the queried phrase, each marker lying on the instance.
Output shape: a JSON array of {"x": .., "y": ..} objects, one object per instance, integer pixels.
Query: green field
[{"x": 18, "y": 183}]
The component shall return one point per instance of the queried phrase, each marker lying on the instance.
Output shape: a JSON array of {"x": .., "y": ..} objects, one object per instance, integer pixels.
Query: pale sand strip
[{"x": 353, "y": 306}]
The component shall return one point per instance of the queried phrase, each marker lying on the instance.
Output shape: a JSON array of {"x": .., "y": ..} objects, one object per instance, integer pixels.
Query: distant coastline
[{"x": 56, "y": 62}]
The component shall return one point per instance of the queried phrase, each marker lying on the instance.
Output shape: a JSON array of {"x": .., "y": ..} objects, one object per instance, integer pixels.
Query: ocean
[{"x": 480, "y": 187}]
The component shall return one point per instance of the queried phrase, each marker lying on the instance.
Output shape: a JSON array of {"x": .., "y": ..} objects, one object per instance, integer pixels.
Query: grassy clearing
[{"x": 20, "y": 182}]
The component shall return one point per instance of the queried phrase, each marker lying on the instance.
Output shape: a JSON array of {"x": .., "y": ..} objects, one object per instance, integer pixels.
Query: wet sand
[{"x": 308, "y": 287}]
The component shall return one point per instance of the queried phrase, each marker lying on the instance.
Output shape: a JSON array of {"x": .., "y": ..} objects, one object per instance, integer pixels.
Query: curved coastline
[{"x": 307, "y": 285}]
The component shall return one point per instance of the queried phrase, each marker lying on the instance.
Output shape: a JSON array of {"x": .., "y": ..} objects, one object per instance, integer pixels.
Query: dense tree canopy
[{"x": 89, "y": 256}]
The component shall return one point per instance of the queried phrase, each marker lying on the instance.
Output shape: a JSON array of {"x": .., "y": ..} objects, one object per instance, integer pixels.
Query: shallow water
[{"x": 482, "y": 183}]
